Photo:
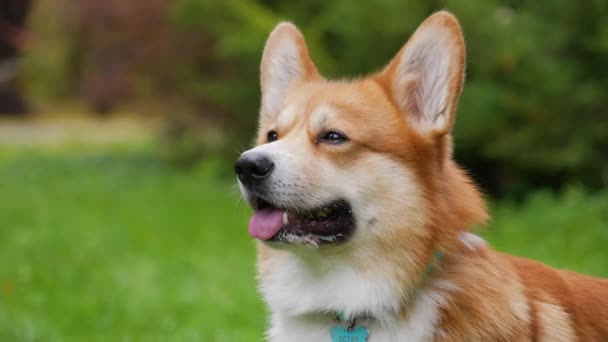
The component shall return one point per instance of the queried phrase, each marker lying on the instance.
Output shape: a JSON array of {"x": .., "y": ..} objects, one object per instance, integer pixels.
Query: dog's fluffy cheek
[{"x": 384, "y": 195}]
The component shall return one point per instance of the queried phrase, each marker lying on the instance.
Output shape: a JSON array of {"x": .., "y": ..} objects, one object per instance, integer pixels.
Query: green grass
[
  {"x": 120, "y": 247},
  {"x": 568, "y": 231}
]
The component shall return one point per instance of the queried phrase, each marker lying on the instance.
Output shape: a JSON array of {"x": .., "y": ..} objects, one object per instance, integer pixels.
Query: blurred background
[{"x": 120, "y": 121}]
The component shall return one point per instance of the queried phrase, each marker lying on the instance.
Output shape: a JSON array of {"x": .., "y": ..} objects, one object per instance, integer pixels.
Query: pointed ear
[
  {"x": 285, "y": 62},
  {"x": 425, "y": 78}
]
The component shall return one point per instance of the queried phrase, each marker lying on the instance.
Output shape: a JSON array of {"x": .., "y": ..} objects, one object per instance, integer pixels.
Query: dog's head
[{"x": 362, "y": 162}]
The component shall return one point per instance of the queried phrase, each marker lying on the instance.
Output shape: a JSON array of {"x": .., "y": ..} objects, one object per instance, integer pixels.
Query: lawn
[{"x": 119, "y": 246}]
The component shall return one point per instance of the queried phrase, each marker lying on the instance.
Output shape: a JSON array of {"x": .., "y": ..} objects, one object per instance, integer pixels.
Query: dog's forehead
[
  {"x": 315, "y": 118},
  {"x": 320, "y": 104}
]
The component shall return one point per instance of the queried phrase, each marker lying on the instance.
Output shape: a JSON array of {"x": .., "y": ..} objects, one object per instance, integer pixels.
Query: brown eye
[
  {"x": 333, "y": 137},
  {"x": 272, "y": 136}
]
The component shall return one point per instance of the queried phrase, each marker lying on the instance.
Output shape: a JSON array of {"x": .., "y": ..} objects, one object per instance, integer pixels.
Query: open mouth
[{"x": 330, "y": 223}]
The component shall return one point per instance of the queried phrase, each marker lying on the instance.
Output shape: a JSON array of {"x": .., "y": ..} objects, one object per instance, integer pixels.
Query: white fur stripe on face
[
  {"x": 287, "y": 118},
  {"x": 321, "y": 117}
]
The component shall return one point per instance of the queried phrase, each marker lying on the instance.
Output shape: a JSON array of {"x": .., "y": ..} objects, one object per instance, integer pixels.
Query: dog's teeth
[
  {"x": 285, "y": 218},
  {"x": 330, "y": 238}
]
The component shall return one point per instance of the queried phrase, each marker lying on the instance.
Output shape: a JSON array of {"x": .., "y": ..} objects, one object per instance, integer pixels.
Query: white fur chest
[
  {"x": 420, "y": 325},
  {"x": 297, "y": 296}
]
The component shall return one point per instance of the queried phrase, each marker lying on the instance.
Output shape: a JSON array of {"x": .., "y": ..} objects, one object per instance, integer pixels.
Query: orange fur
[{"x": 493, "y": 296}]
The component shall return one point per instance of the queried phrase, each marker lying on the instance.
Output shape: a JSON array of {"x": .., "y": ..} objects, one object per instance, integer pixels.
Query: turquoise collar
[{"x": 430, "y": 268}]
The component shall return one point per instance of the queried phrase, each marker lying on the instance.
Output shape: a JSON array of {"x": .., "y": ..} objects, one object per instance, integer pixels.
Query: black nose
[{"x": 253, "y": 167}]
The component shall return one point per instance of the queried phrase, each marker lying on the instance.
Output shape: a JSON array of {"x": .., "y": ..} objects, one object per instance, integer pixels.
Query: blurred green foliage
[
  {"x": 535, "y": 105},
  {"x": 534, "y": 111}
]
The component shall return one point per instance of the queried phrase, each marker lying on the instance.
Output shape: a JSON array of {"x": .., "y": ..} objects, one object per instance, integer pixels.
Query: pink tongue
[{"x": 265, "y": 223}]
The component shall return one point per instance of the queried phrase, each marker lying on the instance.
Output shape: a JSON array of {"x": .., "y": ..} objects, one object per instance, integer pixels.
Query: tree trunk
[{"x": 13, "y": 15}]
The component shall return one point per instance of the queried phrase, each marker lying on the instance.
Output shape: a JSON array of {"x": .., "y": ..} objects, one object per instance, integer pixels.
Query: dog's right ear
[
  {"x": 285, "y": 63},
  {"x": 425, "y": 78}
]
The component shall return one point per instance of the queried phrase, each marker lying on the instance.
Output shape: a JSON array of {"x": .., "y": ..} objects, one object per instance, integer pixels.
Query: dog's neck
[
  {"x": 296, "y": 286},
  {"x": 342, "y": 318}
]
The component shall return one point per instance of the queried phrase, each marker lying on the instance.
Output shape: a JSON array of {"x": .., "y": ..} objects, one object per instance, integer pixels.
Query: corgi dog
[{"x": 363, "y": 218}]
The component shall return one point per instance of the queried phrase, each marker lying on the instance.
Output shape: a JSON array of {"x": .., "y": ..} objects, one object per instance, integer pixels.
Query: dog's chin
[{"x": 330, "y": 224}]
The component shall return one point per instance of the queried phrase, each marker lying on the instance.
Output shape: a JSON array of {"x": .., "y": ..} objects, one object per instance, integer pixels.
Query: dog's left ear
[
  {"x": 425, "y": 78},
  {"x": 285, "y": 63}
]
